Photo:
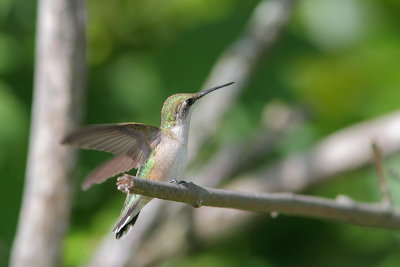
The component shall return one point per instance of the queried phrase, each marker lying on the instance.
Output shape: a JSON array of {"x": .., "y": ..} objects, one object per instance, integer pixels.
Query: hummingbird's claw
[
  {"x": 180, "y": 183},
  {"x": 124, "y": 183}
]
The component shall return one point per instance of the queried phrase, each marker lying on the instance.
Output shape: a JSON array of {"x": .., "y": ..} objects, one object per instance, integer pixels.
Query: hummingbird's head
[{"x": 177, "y": 108}]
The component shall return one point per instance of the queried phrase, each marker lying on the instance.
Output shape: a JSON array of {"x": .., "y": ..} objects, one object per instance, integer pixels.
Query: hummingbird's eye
[{"x": 189, "y": 101}]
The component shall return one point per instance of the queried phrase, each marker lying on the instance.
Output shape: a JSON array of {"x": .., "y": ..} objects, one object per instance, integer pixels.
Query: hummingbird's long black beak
[{"x": 207, "y": 91}]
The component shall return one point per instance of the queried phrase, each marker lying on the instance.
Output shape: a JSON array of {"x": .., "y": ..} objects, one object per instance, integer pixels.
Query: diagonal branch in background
[
  {"x": 362, "y": 214},
  {"x": 57, "y": 104},
  {"x": 342, "y": 151},
  {"x": 237, "y": 63}
]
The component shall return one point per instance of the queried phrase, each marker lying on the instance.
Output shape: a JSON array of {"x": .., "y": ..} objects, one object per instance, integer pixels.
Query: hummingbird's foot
[
  {"x": 124, "y": 183},
  {"x": 180, "y": 183}
]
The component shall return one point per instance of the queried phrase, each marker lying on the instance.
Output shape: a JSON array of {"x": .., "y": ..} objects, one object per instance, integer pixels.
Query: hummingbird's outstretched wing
[{"x": 131, "y": 142}]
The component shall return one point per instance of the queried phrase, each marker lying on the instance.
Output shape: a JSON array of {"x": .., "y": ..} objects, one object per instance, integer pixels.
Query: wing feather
[
  {"x": 131, "y": 142},
  {"x": 115, "y": 138}
]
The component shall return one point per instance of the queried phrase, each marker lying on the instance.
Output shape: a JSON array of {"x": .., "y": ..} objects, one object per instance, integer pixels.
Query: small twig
[
  {"x": 378, "y": 162},
  {"x": 362, "y": 214}
]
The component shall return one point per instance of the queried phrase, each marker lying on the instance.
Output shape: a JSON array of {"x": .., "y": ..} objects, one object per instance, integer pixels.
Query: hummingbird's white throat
[{"x": 181, "y": 132}]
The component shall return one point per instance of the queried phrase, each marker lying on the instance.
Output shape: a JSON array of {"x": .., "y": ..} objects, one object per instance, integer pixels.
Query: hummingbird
[{"x": 158, "y": 153}]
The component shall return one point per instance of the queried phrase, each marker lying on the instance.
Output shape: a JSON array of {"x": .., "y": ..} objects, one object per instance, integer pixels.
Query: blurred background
[{"x": 336, "y": 61}]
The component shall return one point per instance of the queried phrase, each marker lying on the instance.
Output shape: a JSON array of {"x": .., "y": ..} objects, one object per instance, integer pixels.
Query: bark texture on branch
[{"x": 58, "y": 90}]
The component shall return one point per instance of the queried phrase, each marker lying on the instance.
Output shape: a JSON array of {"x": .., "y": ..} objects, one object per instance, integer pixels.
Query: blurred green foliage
[{"x": 340, "y": 59}]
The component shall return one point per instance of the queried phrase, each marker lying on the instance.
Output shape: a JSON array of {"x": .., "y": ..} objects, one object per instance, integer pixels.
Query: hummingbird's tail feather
[
  {"x": 126, "y": 228},
  {"x": 129, "y": 214}
]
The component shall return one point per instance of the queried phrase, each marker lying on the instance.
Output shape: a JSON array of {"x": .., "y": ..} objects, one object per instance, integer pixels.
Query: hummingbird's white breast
[{"x": 171, "y": 155}]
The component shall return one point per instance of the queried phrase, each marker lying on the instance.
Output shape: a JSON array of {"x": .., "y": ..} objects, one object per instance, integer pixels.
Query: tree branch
[
  {"x": 348, "y": 211},
  {"x": 56, "y": 109}
]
